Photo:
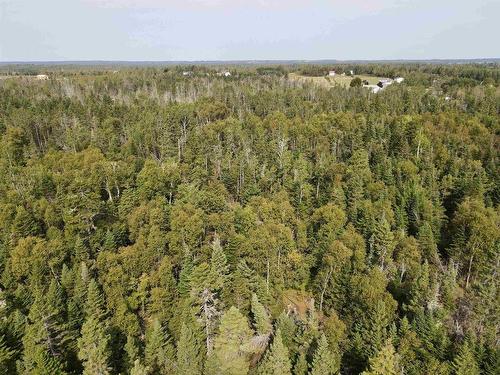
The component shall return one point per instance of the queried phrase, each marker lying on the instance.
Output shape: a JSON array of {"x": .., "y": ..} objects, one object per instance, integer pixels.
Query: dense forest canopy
[{"x": 172, "y": 220}]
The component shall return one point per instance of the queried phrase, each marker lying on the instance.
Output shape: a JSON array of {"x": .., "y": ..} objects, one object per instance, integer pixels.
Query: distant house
[
  {"x": 187, "y": 74},
  {"x": 332, "y": 73},
  {"x": 399, "y": 79},
  {"x": 42, "y": 77},
  {"x": 225, "y": 73}
]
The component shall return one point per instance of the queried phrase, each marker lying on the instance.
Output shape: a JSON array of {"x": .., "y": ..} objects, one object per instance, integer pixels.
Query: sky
[{"x": 180, "y": 30}]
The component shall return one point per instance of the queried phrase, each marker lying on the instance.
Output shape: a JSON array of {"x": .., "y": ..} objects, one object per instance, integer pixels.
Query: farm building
[
  {"x": 332, "y": 73},
  {"x": 42, "y": 77}
]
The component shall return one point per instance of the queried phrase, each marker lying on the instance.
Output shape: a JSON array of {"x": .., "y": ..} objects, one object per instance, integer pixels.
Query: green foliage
[
  {"x": 138, "y": 207},
  {"x": 188, "y": 352},
  {"x": 385, "y": 362},
  {"x": 231, "y": 347},
  {"x": 276, "y": 360},
  {"x": 262, "y": 323},
  {"x": 323, "y": 362},
  {"x": 94, "y": 344}
]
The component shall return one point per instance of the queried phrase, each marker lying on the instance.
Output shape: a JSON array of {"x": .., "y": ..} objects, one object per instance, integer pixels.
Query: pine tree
[
  {"x": 276, "y": 361},
  {"x": 383, "y": 242},
  {"x": 109, "y": 243},
  {"x": 419, "y": 293},
  {"x": 93, "y": 345},
  {"x": 218, "y": 265},
  {"x": 244, "y": 283},
  {"x": 139, "y": 368},
  {"x": 80, "y": 251},
  {"x": 301, "y": 367},
  {"x": 189, "y": 353},
  {"x": 465, "y": 361},
  {"x": 261, "y": 319},
  {"x": 185, "y": 275},
  {"x": 6, "y": 355},
  {"x": 323, "y": 362},
  {"x": 159, "y": 352},
  {"x": 288, "y": 329},
  {"x": 131, "y": 351},
  {"x": 427, "y": 243},
  {"x": 231, "y": 345},
  {"x": 385, "y": 362},
  {"x": 47, "y": 339}
]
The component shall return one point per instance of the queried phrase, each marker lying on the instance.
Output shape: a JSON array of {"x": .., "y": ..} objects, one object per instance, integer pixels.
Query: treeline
[{"x": 153, "y": 223}]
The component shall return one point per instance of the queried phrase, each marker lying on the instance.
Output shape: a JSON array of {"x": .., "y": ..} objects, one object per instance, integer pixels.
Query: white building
[
  {"x": 386, "y": 82},
  {"x": 399, "y": 79},
  {"x": 373, "y": 88},
  {"x": 332, "y": 73},
  {"x": 42, "y": 77}
]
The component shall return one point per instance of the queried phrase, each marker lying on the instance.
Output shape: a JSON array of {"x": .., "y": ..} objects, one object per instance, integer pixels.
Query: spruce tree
[
  {"x": 301, "y": 367},
  {"x": 383, "y": 243},
  {"x": 184, "y": 285},
  {"x": 323, "y": 361},
  {"x": 159, "y": 351},
  {"x": 218, "y": 266},
  {"x": 231, "y": 346},
  {"x": 465, "y": 362},
  {"x": 385, "y": 362},
  {"x": 6, "y": 355},
  {"x": 276, "y": 360},
  {"x": 244, "y": 283},
  {"x": 47, "y": 340},
  {"x": 189, "y": 354},
  {"x": 261, "y": 319},
  {"x": 139, "y": 368},
  {"x": 93, "y": 345}
]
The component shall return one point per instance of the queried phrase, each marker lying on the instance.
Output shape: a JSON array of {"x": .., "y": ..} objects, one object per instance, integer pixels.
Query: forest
[{"x": 157, "y": 222}]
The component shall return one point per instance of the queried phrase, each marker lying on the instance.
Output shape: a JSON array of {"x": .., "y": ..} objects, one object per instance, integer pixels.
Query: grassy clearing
[{"x": 338, "y": 80}]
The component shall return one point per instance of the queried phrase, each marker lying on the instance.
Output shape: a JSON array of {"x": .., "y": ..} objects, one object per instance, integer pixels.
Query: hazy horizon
[{"x": 241, "y": 30}]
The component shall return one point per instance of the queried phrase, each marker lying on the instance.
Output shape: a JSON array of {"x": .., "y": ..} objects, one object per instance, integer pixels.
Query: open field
[{"x": 327, "y": 82}]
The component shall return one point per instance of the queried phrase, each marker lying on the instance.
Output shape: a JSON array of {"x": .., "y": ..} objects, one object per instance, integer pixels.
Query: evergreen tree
[
  {"x": 465, "y": 362},
  {"x": 47, "y": 338},
  {"x": 301, "y": 367},
  {"x": 131, "y": 351},
  {"x": 231, "y": 347},
  {"x": 383, "y": 242},
  {"x": 184, "y": 286},
  {"x": 139, "y": 368},
  {"x": 323, "y": 362},
  {"x": 261, "y": 319},
  {"x": 6, "y": 355},
  {"x": 385, "y": 362},
  {"x": 159, "y": 351},
  {"x": 188, "y": 351},
  {"x": 218, "y": 266},
  {"x": 94, "y": 343},
  {"x": 244, "y": 284},
  {"x": 276, "y": 360}
]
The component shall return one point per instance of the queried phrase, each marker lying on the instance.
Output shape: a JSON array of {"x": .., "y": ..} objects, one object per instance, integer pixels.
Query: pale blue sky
[{"x": 243, "y": 29}]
